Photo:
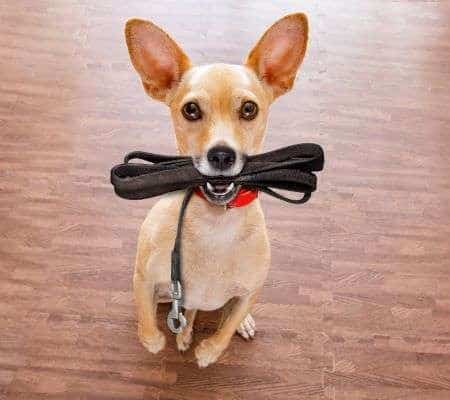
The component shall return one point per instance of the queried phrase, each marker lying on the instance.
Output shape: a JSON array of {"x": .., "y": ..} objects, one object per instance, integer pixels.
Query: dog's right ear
[{"x": 156, "y": 57}]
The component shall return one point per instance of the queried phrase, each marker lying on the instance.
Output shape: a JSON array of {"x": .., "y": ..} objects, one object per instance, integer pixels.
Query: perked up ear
[
  {"x": 278, "y": 54},
  {"x": 156, "y": 57}
]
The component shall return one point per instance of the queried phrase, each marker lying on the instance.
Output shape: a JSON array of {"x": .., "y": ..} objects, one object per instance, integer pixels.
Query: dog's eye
[
  {"x": 249, "y": 110},
  {"x": 191, "y": 111}
]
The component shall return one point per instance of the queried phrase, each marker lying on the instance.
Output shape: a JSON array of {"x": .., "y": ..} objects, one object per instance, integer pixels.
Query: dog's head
[{"x": 219, "y": 111}]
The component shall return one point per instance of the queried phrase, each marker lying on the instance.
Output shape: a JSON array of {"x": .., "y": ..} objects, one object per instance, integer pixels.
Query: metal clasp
[{"x": 175, "y": 319}]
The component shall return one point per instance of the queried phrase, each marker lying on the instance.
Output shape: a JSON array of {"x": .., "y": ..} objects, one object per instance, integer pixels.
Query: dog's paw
[
  {"x": 207, "y": 352},
  {"x": 247, "y": 328},
  {"x": 153, "y": 343},
  {"x": 184, "y": 339}
]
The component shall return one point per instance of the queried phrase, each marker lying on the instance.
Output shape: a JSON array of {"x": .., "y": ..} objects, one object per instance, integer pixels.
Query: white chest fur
[{"x": 224, "y": 253}]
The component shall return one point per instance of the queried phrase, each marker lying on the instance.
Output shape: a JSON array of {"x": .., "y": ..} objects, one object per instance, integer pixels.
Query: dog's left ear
[
  {"x": 278, "y": 54},
  {"x": 156, "y": 57}
]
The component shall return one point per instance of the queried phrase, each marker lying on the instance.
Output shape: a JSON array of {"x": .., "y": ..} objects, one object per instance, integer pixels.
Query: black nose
[{"x": 221, "y": 157}]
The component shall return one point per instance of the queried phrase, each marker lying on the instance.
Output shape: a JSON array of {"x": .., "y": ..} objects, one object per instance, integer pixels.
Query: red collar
[{"x": 243, "y": 198}]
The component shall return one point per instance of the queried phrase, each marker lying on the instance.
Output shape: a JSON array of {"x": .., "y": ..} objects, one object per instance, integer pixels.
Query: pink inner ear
[
  {"x": 278, "y": 60},
  {"x": 159, "y": 66},
  {"x": 279, "y": 53},
  {"x": 156, "y": 58}
]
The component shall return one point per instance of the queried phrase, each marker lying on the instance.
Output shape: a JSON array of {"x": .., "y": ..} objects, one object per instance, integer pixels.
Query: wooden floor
[{"x": 357, "y": 304}]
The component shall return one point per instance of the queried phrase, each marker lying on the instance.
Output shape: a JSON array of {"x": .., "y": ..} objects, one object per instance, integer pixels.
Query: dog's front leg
[
  {"x": 149, "y": 334},
  {"x": 184, "y": 338},
  {"x": 209, "y": 350}
]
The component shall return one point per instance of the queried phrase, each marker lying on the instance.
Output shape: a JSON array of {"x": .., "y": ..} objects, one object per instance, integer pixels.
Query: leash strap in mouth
[{"x": 290, "y": 168}]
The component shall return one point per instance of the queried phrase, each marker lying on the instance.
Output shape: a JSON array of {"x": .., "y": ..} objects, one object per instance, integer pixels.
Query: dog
[{"x": 219, "y": 114}]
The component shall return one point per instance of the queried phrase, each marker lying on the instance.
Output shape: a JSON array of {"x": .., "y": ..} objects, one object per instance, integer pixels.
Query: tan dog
[{"x": 219, "y": 113}]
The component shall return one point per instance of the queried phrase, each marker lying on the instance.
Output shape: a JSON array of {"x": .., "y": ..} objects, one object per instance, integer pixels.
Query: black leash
[
  {"x": 290, "y": 168},
  {"x": 175, "y": 319}
]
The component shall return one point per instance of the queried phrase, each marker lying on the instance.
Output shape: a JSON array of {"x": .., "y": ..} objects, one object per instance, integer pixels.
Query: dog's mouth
[{"x": 219, "y": 193}]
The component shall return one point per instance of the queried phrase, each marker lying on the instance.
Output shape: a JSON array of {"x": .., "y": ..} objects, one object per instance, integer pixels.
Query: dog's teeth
[
  {"x": 219, "y": 189},
  {"x": 230, "y": 187}
]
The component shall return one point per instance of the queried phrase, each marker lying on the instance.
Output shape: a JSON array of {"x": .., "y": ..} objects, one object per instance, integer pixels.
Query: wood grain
[{"x": 357, "y": 304}]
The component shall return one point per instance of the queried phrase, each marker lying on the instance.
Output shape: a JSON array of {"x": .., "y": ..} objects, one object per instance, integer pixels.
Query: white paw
[
  {"x": 247, "y": 328},
  {"x": 207, "y": 352},
  {"x": 154, "y": 343},
  {"x": 184, "y": 339}
]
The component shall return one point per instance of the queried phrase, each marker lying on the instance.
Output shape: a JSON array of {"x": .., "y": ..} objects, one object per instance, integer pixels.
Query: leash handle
[{"x": 290, "y": 168}]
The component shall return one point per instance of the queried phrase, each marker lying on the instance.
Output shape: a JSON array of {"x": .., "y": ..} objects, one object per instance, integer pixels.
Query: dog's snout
[{"x": 221, "y": 157}]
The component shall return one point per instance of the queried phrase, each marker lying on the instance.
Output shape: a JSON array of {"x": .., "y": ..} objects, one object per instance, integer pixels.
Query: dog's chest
[
  {"x": 210, "y": 285},
  {"x": 211, "y": 294},
  {"x": 224, "y": 253},
  {"x": 223, "y": 263}
]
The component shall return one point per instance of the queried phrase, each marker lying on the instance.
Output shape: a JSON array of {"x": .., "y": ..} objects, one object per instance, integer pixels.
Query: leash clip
[{"x": 175, "y": 319}]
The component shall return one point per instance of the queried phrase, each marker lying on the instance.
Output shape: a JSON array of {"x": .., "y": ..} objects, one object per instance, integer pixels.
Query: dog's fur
[{"x": 226, "y": 253}]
